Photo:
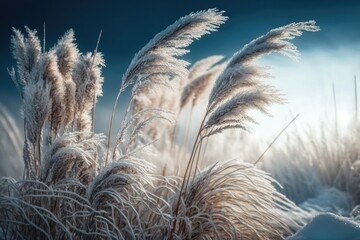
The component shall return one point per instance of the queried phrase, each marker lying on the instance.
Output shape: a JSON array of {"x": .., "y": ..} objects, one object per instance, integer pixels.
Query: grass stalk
[
  {"x": 89, "y": 78},
  {"x": 202, "y": 157},
  {"x": 44, "y": 35},
  {"x": 111, "y": 124},
  {"x": 335, "y": 109},
  {"x": 356, "y": 99},
  {"x": 197, "y": 158},
  {"x": 186, "y": 137},
  {"x": 187, "y": 174},
  {"x": 276, "y": 138}
]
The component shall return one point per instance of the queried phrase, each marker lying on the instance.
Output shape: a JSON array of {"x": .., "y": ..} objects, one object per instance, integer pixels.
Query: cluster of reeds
[
  {"x": 318, "y": 163},
  {"x": 10, "y": 145},
  {"x": 77, "y": 185}
]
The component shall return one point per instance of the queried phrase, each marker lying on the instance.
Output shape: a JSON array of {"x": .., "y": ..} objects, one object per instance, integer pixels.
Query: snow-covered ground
[{"x": 328, "y": 226}]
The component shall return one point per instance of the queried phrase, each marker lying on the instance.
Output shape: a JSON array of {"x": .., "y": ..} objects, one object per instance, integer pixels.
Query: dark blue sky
[{"x": 128, "y": 26}]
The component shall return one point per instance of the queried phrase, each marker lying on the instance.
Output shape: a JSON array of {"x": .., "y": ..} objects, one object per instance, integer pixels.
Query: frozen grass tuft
[{"x": 75, "y": 186}]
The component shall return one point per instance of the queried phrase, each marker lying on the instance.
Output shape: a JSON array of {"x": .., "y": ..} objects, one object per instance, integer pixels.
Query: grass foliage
[{"x": 146, "y": 185}]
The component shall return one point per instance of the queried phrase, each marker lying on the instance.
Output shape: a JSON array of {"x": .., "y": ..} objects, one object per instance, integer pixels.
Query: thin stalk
[
  {"x": 35, "y": 159},
  {"x": 123, "y": 124},
  {"x": 188, "y": 169},
  {"x": 187, "y": 178},
  {"x": 173, "y": 136},
  {"x": 89, "y": 75},
  {"x": 356, "y": 98},
  {"x": 206, "y": 144},
  {"x": 186, "y": 138},
  {"x": 195, "y": 169},
  {"x": 204, "y": 151},
  {"x": 196, "y": 149},
  {"x": 276, "y": 138},
  {"x": 25, "y": 142},
  {"x": 39, "y": 146},
  {"x": 50, "y": 132},
  {"x": 73, "y": 124},
  {"x": 111, "y": 123},
  {"x": 39, "y": 158},
  {"x": 44, "y": 38},
  {"x": 335, "y": 109},
  {"x": 197, "y": 158},
  {"x": 93, "y": 116}
]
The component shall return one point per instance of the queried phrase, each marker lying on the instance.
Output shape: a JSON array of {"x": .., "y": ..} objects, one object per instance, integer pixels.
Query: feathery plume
[
  {"x": 88, "y": 81},
  {"x": 119, "y": 191},
  {"x": 87, "y": 87},
  {"x": 26, "y": 51},
  {"x": 235, "y": 201},
  {"x": 157, "y": 62},
  {"x": 33, "y": 48},
  {"x": 241, "y": 70},
  {"x": 19, "y": 54},
  {"x": 84, "y": 122},
  {"x": 68, "y": 156},
  {"x": 37, "y": 108},
  {"x": 70, "y": 101},
  {"x": 67, "y": 54},
  {"x": 200, "y": 85},
  {"x": 137, "y": 134},
  {"x": 11, "y": 163},
  {"x": 69, "y": 191},
  {"x": 159, "y": 58},
  {"x": 229, "y": 99},
  {"x": 18, "y": 83},
  {"x": 235, "y": 111},
  {"x": 49, "y": 71},
  {"x": 242, "y": 73},
  {"x": 202, "y": 66}
]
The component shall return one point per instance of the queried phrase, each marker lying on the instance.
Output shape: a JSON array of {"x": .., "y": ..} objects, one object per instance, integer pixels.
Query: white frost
[{"x": 327, "y": 226}]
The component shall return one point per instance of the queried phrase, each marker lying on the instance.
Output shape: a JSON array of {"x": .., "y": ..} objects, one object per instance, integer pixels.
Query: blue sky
[{"x": 331, "y": 55}]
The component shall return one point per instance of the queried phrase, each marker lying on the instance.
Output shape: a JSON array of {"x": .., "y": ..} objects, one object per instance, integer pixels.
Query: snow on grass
[
  {"x": 327, "y": 226},
  {"x": 329, "y": 200}
]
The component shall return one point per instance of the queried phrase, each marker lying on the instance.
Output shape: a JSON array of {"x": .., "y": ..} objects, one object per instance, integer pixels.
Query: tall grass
[
  {"x": 317, "y": 160},
  {"x": 10, "y": 146},
  {"x": 77, "y": 186}
]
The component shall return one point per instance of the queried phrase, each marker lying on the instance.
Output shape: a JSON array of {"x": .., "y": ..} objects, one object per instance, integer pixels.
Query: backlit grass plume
[
  {"x": 26, "y": 51},
  {"x": 68, "y": 55},
  {"x": 202, "y": 66},
  {"x": 158, "y": 61},
  {"x": 88, "y": 81},
  {"x": 11, "y": 163},
  {"x": 240, "y": 88},
  {"x": 201, "y": 78},
  {"x": 228, "y": 201},
  {"x": 76, "y": 187}
]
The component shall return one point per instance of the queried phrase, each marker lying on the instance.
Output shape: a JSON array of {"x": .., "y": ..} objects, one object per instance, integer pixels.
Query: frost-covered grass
[
  {"x": 327, "y": 226},
  {"x": 309, "y": 165},
  {"x": 144, "y": 182}
]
